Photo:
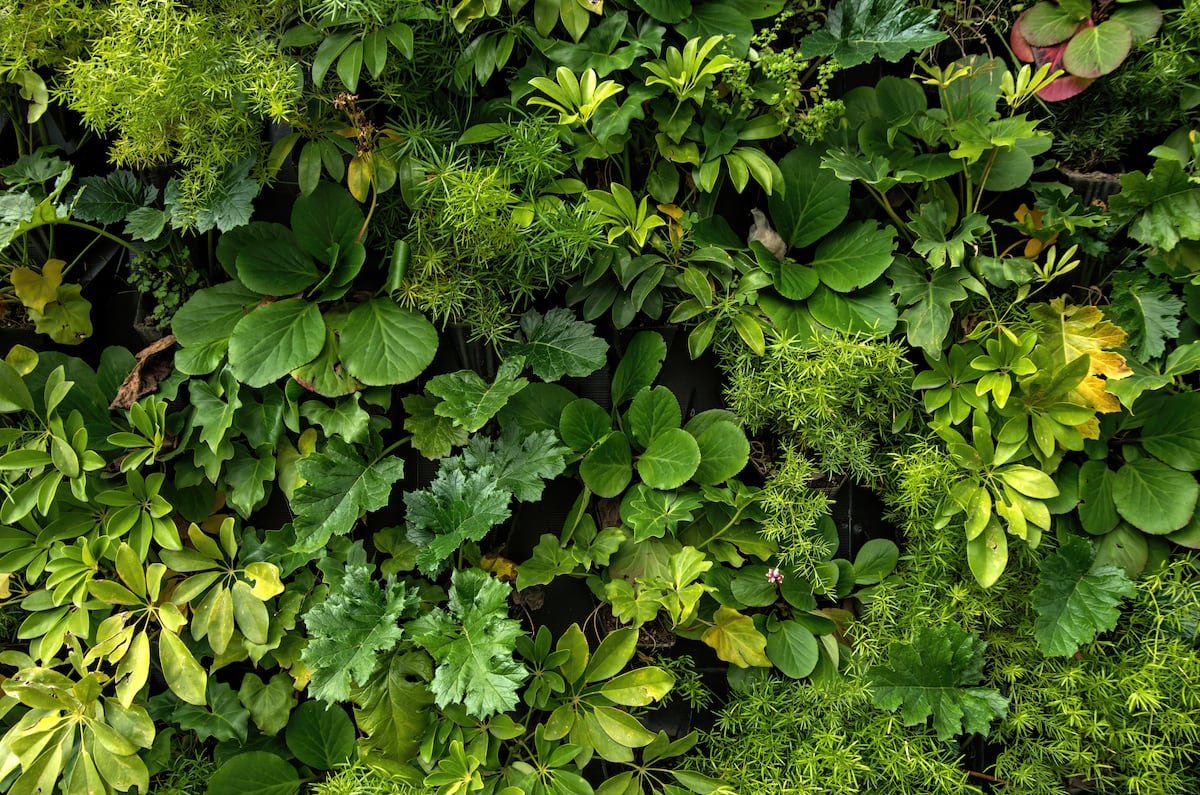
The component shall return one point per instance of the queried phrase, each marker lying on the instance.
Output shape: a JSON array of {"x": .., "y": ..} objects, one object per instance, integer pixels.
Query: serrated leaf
[
  {"x": 472, "y": 642},
  {"x": 358, "y": 620},
  {"x": 469, "y": 400},
  {"x": 858, "y": 30},
  {"x": 932, "y": 676},
  {"x": 1162, "y": 207},
  {"x": 1074, "y": 601},
  {"x": 556, "y": 345},
  {"x": 433, "y": 436},
  {"x": 854, "y": 256},
  {"x": 111, "y": 198},
  {"x": 520, "y": 462},
  {"x": 459, "y": 506},
  {"x": 1147, "y": 310},
  {"x": 340, "y": 487},
  {"x": 275, "y": 339}
]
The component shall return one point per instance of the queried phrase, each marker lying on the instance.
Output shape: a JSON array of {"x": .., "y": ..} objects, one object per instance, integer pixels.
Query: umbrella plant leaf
[{"x": 1074, "y": 600}]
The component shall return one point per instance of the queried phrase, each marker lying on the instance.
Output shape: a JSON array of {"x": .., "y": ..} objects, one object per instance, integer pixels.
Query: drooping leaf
[
  {"x": 459, "y": 506},
  {"x": 392, "y": 707},
  {"x": 340, "y": 487},
  {"x": 556, "y": 344},
  {"x": 358, "y": 621},
  {"x": 933, "y": 676},
  {"x": 469, "y": 400},
  {"x": 1074, "y": 600},
  {"x": 472, "y": 642},
  {"x": 858, "y": 30}
]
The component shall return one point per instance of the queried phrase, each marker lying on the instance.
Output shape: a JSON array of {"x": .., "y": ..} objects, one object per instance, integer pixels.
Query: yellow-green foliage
[
  {"x": 192, "y": 86},
  {"x": 42, "y": 32}
]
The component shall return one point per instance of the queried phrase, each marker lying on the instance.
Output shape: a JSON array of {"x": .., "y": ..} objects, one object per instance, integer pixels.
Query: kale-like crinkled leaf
[
  {"x": 858, "y": 30},
  {"x": 556, "y": 344},
  {"x": 1162, "y": 207},
  {"x": 358, "y": 621},
  {"x": 1148, "y": 311},
  {"x": 930, "y": 676},
  {"x": 1074, "y": 601},
  {"x": 473, "y": 644},
  {"x": 469, "y": 400},
  {"x": 521, "y": 463},
  {"x": 111, "y": 198},
  {"x": 340, "y": 487},
  {"x": 459, "y": 506},
  {"x": 433, "y": 436}
]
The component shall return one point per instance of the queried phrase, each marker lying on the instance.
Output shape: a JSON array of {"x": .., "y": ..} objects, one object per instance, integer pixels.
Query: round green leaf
[
  {"x": 1153, "y": 497},
  {"x": 327, "y": 220},
  {"x": 870, "y": 311},
  {"x": 1096, "y": 51},
  {"x": 751, "y": 587},
  {"x": 608, "y": 468},
  {"x": 669, "y": 460},
  {"x": 724, "y": 451},
  {"x": 796, "y": 281},
  {"x": 875, "y": 560},
  {"x": 652, "y": 412},
  {"x": 1172, "y": 430},
  {"x": 321, "y": 736},
  {"x": 814, "y": 200},
  {"x": 1142, "y": 19},
  {"x": 382, "y": 343},
  {"x": 793, "y": 649},
  {"x": 269, "y": 261},
  {"x": 254, "y": 773},
  {"x": 537, "y": 407},
  {"x": 855, "y": 256},
  {"x": 582, "y": 424},
  {"x": 668, "y": 11},
  {"x": 275, "y": 339},
  {"x": 1046, "y": 24},
  {"x": 1124, "y": 547}
]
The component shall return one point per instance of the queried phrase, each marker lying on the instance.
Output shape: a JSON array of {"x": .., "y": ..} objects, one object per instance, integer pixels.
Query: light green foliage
[
  {"x": 835, "y": 398},
  {"x": 791, "y": 510},
  {"x": 189, "y": 86},
  {"x": 358, "y": 621},
  {"x": 936, "y": 675},
  {"x": 358, "y": 779},
  {"x": 1075, "y": 599},
  {"x": 472, "y": 642}
]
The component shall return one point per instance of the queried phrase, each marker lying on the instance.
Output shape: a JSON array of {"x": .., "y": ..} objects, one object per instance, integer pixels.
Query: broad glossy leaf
[
  {"x": 875, "y": 560},
  {"x": 255, "y": 773},
  {"x": 1172, "y": 430},
  {"x": 1153, "y": 497},
  {"x": 814, "y": 201},
  {"x": 855, "y": 256},
  {"x": 608, "y": 468},
  {"x": 275, "y": 339},
  {"x": 320, "y": 735},
  {"x": 269, "y": 261},
  {"x": 639, "y": 366},
  {"x": 670, "y": 460},
  {"x": 793, "y": 649},
  {"x": 870, "y": 311},
  {"x": 382, "y": 343},
  {"x": 652, "y": 412},
  {"x": 1098, "y": 50},
  {"x": 184, "y": 675},
  {"x": 325, "y": 221},
  {"x": 987, "y": 554},
  {"x": 724, "y": 451},
  {"x": 392, "y": 708}
]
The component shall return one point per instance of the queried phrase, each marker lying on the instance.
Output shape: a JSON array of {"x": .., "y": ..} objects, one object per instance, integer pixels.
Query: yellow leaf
[
  {"x": 36, "y": 290},
  {"x": 1067, "y": 333},
  {"x": 358, "y": 177},
  {"x": 503, "y": 568}
]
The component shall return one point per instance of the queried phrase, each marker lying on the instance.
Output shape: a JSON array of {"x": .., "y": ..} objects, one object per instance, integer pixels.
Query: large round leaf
[
  {"x": 724, "y": 451},
  {"x": 269, "y": 261},
  {"x": 254, "y": 773},
  {"x": 320, "y": 735},
  {"x": 326, "y": 221},
  {"x": 1153, "y": 497},
  {"x": 869, "y": 311},
  {"x": 793, "y": 649},
  {"x": 670, "y": 459},
  {"x": 583, "y": 423},
  {"x": 382, "y": 343},
  {"x": 211, "y": 314},
  {"x": 1142, "y": 19},
  {"x": 1046, "y": 24},
  {"x": 272, "y": 341},
  {"x": 813, "y": 202},
  {"x": 855, "y": 256},
  {"x": 652, "y": 412},
  {"x": 1172, "y": 430},
  {"x": 1098, "y": 50},
  {"x": 608, "y": 468}
]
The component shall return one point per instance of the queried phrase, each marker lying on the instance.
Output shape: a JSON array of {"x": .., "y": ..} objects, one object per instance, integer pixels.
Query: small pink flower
[{"x": 774, "y": 576}]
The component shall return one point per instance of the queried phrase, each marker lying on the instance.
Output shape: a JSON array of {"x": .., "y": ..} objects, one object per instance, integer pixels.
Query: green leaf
[
  {"x": 1098, "y": 50},
  {"x": 793, "y": 649},
  {"x": 221, "y": 717},
  {"x": 928, "y": 299},
  {"x": 269, "y": 704},
  {"x": 1172, "y": 430},
  {"x": 340, "y": 487},
  {"x": 392, "y": 708},
  {"x": 267, "y": 259},
  {"x": 275, "y": 339},
  {"x": 254, "y": 773},
  {"x": 668, "y": 11},
  {"x": 537, "y": 407},
  {"x": 855, "y": 256},
  {"x": 608, "y": 468},
  {"x": 556, "y": 344},
  {"x": 651, "y": 513},
  {"x": 583, "y": 423},
  {"x": 987, "y": 554},
  {"x": 184, "y": 675},
  {"x": 931, "y": 677},
  {"x": 1074, "y": 600},
  {"x": 813, "y": 202},
  {"x": 1097, "y": 513},
  {"x": 14, "y": 395},
  {"x": 320, "y": 735},
  {"x": 1161, "y": 207},
  {"x": 1147, "y": 310},
  {"x": 112, "y": 197},
  {"x": 469, "y": 400},
  {"x": 433, "y": 436},
  {"x": 736, "y": 640},
  {"x": 212, "y": 313},
  {"x": 724, "y": 451},
  {"x": 325, "y": 221},
  {"x": 652, "y": 412},
  {"x": 1047, "y": 24},
  {"x": 472, "y": 642},
  {"x": 357, "y": 621},
  {"x": 67, "y": 319},
  {"x": 670, "y": 460},
  {"x": 520, "y": 462},
  {"x": 382, "y": 343},
  {"x": 868, "y": 311},
  {"x": 1153, "y": 497},
  {"x": 858, "y": 30},
  {"x": 875, "y": 560},
  {"x": 639, "y": 366},
  {"x": 459, "y": 506}
]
